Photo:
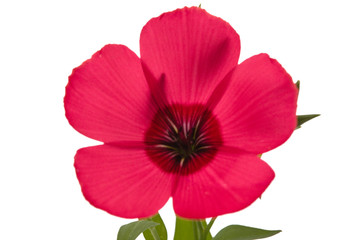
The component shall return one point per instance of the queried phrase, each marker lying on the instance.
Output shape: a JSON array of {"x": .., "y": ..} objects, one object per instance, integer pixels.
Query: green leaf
[
  {"x": 132, "y": 230},
  {"x": 301, "y": 119},
  {"x": 298, "y": 84},
  {"x": 186, "y": 229},
  {"x": 160, "y": 229},
  {"x": 237, "y": 232}
]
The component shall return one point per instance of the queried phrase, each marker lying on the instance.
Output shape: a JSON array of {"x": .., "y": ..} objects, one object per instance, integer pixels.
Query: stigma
[{"x": 183, "y": 138}]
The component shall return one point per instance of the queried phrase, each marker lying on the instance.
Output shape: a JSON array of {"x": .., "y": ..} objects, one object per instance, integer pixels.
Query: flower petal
[
  {"x": 188, "y": 52},
  {"x": 231, "y": 182},
  {"x": 107, "y": 97},
  {"x": 258, "y": 110},
  {"x": 123, "y": 182}
]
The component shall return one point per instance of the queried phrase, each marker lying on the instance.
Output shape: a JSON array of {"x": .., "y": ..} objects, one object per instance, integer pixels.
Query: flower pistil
[{"x": 183, "y": 137}]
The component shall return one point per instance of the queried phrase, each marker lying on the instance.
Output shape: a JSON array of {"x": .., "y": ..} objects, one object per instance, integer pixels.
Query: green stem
[
  {"x": 154, "y": 233},
  {"x": 198, "y": 229},
  {"x": 207, "y": 229}
]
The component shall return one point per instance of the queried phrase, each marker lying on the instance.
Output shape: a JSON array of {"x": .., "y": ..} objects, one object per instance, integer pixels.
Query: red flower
[{"x": 183, "y": 121}]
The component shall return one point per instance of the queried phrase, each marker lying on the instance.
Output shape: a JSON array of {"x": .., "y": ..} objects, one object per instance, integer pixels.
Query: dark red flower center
[{"x": 183, "y": 138}]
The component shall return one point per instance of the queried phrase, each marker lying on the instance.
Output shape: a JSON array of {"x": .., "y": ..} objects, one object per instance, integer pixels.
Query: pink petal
[
  {"x": 257, "y": 112},
  {"x": 107, "y": 97},
  {"x": 231, "y": 182},
  {"x": 123, "y": 182},
  {"x": 188, "y": 51}
]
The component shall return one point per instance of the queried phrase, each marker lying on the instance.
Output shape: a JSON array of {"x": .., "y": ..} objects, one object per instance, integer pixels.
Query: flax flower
[{"x": 183, "y": 120}]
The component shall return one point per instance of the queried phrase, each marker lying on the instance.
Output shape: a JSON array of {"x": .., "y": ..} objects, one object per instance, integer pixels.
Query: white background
[{"x": 315, "y": 194}]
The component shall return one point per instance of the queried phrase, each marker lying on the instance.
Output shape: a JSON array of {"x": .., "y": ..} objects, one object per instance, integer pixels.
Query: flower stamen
[{"x": 188, "y": 140}]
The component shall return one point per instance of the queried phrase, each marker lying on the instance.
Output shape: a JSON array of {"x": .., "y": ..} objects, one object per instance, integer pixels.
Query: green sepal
[
  {"x": 237, "y": 232},
  {"x": 301, "y": 119},
  {"x": 159, "y": 229},
  {"x": 187, "y": 229},
  {"x": 132, "y": 230}
]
